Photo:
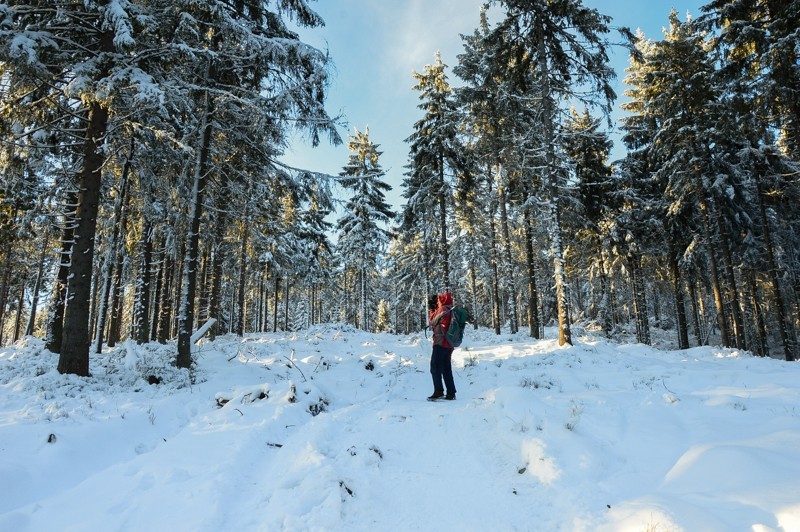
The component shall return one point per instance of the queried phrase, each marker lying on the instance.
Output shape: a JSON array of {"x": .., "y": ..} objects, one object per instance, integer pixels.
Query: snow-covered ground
[{"x": 329, "y": 429}]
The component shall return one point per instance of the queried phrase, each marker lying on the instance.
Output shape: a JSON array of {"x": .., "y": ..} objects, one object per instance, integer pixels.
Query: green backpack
[{"x": 455, "y": 332}]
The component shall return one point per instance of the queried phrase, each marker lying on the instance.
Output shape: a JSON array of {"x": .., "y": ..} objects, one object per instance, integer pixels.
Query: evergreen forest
[{"x": 143, "y": 194}]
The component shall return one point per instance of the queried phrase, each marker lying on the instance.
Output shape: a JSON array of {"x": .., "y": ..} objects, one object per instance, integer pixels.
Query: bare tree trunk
[
  {"x": 473, "y": 283},
  {"x": 37, "y": 285},
  {"x": 115, "y": 323},
  {"x": 733, "y": 291},
  {"x": 242, "y": 274},
  {"x": 564, "y": 331},
  {"x": 698, "y": 333},
  {"x": 142, "y": 314},
  {"x": 215, "y": 295},
  {"x": 533, "y": 293},
  {"x": 761, "y": 347},
  {"x": 286, "y": 307},
  {"x": 780, "y": 307},
  {"x": 189, "y": 284},
  {"x": 444, "y": 252},
  {"x": 260, "y": 308},
  {"x": 204, "y": 308},
  {"x": 509, "y": 264},
  {"x": 74, "y": 357},
  {"x": 275, "y": 304},
  {"x": 606, "y": 306},
  {"x": 496, "y": 316},
  {"x": 177, "y": 292},
  {"x": 362, "y": 300},
  {"x": 639, "y": 300},
  {"x": 18, "y": 317},
  {"x": 55, "y": 313},
  {"x": 4, "y": 290},
  {"x": 165, "y": 316},
  {"x": 312, "y": 297},
  {"x": 218, "y": 253},
  {"x": 715, "y": 280},
  {"x": 113, "y": 261},
  {"x": 157, "y": 293},
  {"x": 267, "y": 313},
  {"x": 680, "y": 305}
]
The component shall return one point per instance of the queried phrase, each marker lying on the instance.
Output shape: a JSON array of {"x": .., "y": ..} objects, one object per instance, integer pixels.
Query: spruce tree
[
  {"x": 762, "y": 43},
  {"x": 564, "y": 45},
  {"x": 437, "y": 158},
  {"x": 588, "y": 149},
  {"x": 361, "y": 239}
]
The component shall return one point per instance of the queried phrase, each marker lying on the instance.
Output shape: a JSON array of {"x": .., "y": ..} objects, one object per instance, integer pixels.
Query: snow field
[{"x": 329, "y": 429}]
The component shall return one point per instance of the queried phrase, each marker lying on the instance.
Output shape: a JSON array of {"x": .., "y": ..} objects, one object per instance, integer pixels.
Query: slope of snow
[{"x": 329, "y": 429}]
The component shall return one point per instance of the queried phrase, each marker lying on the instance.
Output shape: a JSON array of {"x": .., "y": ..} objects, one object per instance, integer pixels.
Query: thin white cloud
[{"x": 420, "y": 30}]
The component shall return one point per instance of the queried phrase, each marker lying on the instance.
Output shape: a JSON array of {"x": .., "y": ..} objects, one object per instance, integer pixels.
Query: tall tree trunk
[
  {"x": 37, "y": 285},
  {"x": 74, "y": 357},
  {"x": 473, "y": 283},
  {"x": 533, "y": 292},
  {"x": 18, "y": 317},
  {"x": 113, "y": 260},
  {"x": 733, "y": 290},
  {"x": 204, "y": 307},
  {"x": 242, "y": 274},
  {"x": 496, "y": 316},
  {"x": 157, "y": 293},
  {"x": 165, "y": 317},
  {"x": 780, "y": 307},
  {"x": 606, "y": 306},
  {"x": 260, "y": 307},
  {"x": 712, "y": 261},
  {"x": 548, "y": 123},
  {"x": 426, "y": 265},
  {"x": 215, "y": 273},
  {"x": 509, "y": 264},
  {"x": 286, "y": 307},
  {"x": 312, "y": 297},
  {"x": 4, "y": 290},
  {"x": 142, "y": 314},
  {"x": 444, "y": 253},
  {"x": 116, "y": 305},
  {"x": 680, "y": 305},
  {"x": 639, "y": 300},
  {"x": 55, "y": 313},
  {"x": 189, "y": 283},
  {"x": 362, "y": 300},
  {"x": 761, "y": 347},
  {"x": 275, "y": 304},
  {"x": 267, "y": 278},
  {"x": 178, "y": 292},
  {"x": 219, "y": 252},
  {"x": 698, "y": 332}
]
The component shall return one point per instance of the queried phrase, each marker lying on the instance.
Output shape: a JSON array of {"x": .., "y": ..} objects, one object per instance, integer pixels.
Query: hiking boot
[
  {"x": 437, "y": 394},
  {"x": 450, "y": 396}
]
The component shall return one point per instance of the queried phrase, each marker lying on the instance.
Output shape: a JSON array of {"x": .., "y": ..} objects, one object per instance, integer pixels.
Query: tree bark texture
[
  {"x": 189, "y": 284},
  {"x": 533, "y": 293},
  {"x": 55, "y": 314},
  {"x": 564, "y": 331},
  {"x": 74, "y": 356},
  {"x": 113, "y": 260}
]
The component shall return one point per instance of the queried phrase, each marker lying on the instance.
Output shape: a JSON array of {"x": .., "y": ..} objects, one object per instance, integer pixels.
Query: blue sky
[{"x": 377, "y": 44}]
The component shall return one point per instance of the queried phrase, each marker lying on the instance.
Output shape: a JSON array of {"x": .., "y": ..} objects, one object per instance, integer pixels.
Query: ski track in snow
[{"x": 592, "y": 437}]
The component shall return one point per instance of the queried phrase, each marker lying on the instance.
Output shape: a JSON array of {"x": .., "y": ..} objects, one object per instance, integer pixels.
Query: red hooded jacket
[{"x": 439, "y": 329}]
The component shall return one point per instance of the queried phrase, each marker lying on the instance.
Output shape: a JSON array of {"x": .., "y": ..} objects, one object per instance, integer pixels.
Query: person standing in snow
[{"x": 441, "y": 366}]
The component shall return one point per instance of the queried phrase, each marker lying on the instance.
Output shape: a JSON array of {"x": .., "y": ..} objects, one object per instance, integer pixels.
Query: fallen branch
[
  {"x": 293, "y": 364},
  {"x": 199, "y": 333}
]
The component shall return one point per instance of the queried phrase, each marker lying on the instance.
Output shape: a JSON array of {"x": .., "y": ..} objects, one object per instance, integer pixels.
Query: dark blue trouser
[{"x": 442, "y": 369}]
